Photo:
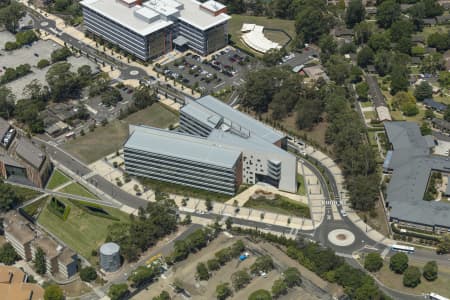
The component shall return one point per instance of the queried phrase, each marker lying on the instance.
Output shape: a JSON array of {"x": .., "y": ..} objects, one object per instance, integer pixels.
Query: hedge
[
  {"x": 414, "y": 234},
  {"x": 85, "y": 207}
]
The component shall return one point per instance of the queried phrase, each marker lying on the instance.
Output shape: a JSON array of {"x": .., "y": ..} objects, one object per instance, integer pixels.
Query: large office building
[
  {"x": 411, "y": 164},
  {"x": 216, "y": 148},
  {"x": 153, "y": 28}
]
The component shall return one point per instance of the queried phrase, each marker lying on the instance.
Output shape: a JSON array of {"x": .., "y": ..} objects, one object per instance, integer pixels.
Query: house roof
[
  {"x": 434, "y": 105},
  {"x": 15, "y": 288},
  {"x": 18, "y": 227},
  {"x": 30, "y": 153},
  {"x": 441, "y": 123},
  {"x": 412, "y": 164},
  {"x": 429, "y": 21}
]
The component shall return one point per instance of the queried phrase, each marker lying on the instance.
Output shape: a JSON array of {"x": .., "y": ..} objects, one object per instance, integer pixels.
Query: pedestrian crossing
[{"x": 331, "y": 202}]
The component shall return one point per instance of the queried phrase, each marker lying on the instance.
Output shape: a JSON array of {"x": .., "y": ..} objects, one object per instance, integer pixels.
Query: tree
[
  {"x": 399, "y": 79},
  {"x": 398, "y": 262},
  {"x": 8, "y": 255},
  {"x": 240, "y": 279},
  {"x": 311, "y": 23},
  {"x": 213, "y": 264},
  {"x": 292, "y": 277},
  {"x": 10, "y": 16},
  {"x": 202, "y": 271},
  {"x": 373, "y": 262},
  {"x": 260, "y": 295},
  {"x": 411, "y": 277},
  {"x": 362, "y": 89},
  {"x": 273, "y": 57},
  {"x": 279, "y": 288},
  {"x": 262, "y": 264},
  {"x": 163, "y": 296},
  {"x": 365, "y": 57},
  {"x": 379, "y": 41},
  {"x": 387, "y": 13},
  {"x": 118, "y": 291},
  {"x": 111, "y": 97},
  {"x": 26, "y": 37},
  {"x": 88, "y": 274},
  {"x": 443, "y": 246},
  {"x": 444, "y": 78},
  {"x": 430, "y": 271},
  {"x": 229, "y": 223},
  {"x": 439, "y": 40},
  {"x": 7, "y": 99},
  {"x": 40, "y": 261},
  {"x": 406, "y": 102},
  {"x": 382, "y": 62},
  {"x": 60, "y": 54},
  {"x": 328, "y": 47},
  {"x": 355, "y": 13},
  {"x": 208, "y": 204},
  {"x": 53, "y": 292},
  {"x": 362, "y": 32},
  {"x": 62, "y": 82},
  {"x": 423, "y": 91},
  {"x": 42, "y": 63},
  {"x": 84, "y": 74},
  {"x": 144, "y": 96},
  {"x": 223, "y": 291},
  {"x": 432, "y": 63},
  {"x": 401, "y": 29}
]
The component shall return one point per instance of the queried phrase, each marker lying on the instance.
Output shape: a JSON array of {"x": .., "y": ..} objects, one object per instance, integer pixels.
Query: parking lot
[
  {"x": 223, "y": 70},
  {"x": 102, "y": 112},
  {"x": 31, "y": 55}
]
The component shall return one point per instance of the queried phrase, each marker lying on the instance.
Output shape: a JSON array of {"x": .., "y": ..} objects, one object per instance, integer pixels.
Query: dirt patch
[
  {"x": 75, "y": 289},
  {"x": 185, "y": 271}
]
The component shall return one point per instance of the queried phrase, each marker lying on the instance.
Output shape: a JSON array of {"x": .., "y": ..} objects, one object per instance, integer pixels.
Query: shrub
[
  {"x": 373, "y": 262},
  {"x": 60, "y": 54},
  {"x": 430, "y": 271},
  {"x": 43, "y": 63},
  {"x": 213, "y": 264},
  {"x": 411, "y": 277},
  {"x": 398, "y": 263},
  {"x": 202, "y": 272},
  {"x": 240, "y": 279},
  {"x": 9, "y": 46},
  {"x": 88, "y": 274},
  {"x": 260, "y": 295}
]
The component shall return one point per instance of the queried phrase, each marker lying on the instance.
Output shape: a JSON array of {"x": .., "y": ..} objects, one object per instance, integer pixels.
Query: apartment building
[
  {"x": 19, "y": 232},
  {"x": 20, "y": 159},
  {"x": 216, "y": 148},
  {"x": 14, "y": 286},
  {"x": 153, "y": 28}
]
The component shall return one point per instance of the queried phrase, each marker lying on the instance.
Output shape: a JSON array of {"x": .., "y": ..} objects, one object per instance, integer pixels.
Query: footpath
[{"x": 351, "y": 214}]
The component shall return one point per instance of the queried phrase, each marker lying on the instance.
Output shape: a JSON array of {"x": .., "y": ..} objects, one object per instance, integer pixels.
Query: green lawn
[
  {"x": 58, "y": 178},
  {"x": 79, "y": 190},
  {"x": 301, "y": 185},
  {"x": 34, "y": 208},
  {"x": 235, "y": 25},
  {"x": 370, "y": 115},
  {"x": 24, "y": 193},
  {"x": 280, "y": 205},
  {"x": 107, "y": 139},
  {"x": 366, "y": 103},
  {"x": 82, "y": 231}
]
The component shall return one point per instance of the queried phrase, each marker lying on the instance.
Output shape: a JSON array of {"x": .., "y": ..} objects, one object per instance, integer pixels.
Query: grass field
[
  {"x": 366, "y": 103},
  {"x": 34, "y": 208},
  {"x": 79, "y": 190},
  {"x": 370, "y": 115},
  {"x": 235, "y": 25},
  {"x": 58, "y": 178},
  {"x": 107, "y": 139},
  {"x": 24, "y": 193},
  {"x": 301, "y": 185},
  {"x": 441, "y": 285},
  {"x": 280, "y": 205},
  {"x": 82, "y": 231}
]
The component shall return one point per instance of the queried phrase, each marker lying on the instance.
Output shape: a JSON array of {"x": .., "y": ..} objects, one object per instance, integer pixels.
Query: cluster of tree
[
  {"x": 8, "y": 255},
  {"x": 14, "y": 73},
  {"x": 144, "y": 96},
  {"x": 406, "y": 102},
  {"x": 88, "y": 274},
  {"x": 60, "y": 54},
  {"x": 143, "y": 231},
  {"x": 325, "y": 263},
  {"x": 221, "y": 257},
  {"x": 40, "y": 263},
  {"x": 444, "y": 244},
  {"x": 68, "y": 7},
  {"x": 118, "y": 291},
  {"x": 111, "y": 97},
  {"x": 373, "y": 262},
  {"x": 10, "y": 13},
  {"x": 260, "y": 295},
  {"x": 191, "y": 244},
  {"x": 347, "y": 135},
  {"x": 282, "y": 92},
  {"x": 240, "y": 279},
  {"x": 223, "y": 291},
  {"x": 8, "y": 197},
  {"x": 262, "y": 264},
  {"x": 53, "y": 292},
  {"x": 143, "y": 275},
  {"x": 22, "y": 38},
  {"x": 291, "y": 277},
  {"x": 43, "y": 63},
  {"x": 162, "y": 296}
]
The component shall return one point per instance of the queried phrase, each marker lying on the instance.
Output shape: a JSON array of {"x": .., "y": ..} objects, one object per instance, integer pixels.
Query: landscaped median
[
  {"x": 279, "y": 204},
  {"x": 57, "y": 179}
]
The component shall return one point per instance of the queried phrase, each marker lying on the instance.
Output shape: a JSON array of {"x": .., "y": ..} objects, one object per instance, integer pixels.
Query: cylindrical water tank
[{"x": 110, "y": 257}]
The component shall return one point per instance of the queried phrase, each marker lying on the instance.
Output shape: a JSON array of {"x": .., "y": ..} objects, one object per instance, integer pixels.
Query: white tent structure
[{"x": 254, "y": 38}]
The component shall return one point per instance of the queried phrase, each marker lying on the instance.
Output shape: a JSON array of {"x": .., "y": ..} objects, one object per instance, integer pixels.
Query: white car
[{"x": 343, "y": 213}]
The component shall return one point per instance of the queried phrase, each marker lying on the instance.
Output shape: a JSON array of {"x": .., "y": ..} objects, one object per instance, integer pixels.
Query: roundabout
[
  {"x": 341, "y": 237},
  {"x": 44, "y": 24},
  {"x": 134, "y": 72}
]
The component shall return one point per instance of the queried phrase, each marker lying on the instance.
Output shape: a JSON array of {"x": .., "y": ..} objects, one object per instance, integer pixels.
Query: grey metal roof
[
  {"x": 4, "y": 126},
  {"x": 8, "y": 160},
  {"x": 175, "y": 144},
  {"x": 109, "y": 249},
  {"x": 202, "y": 114},
  {"x": 30, "y": 153},
  {"x": 412, "y": 164},
  {"x": 236, "y": 117}
]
